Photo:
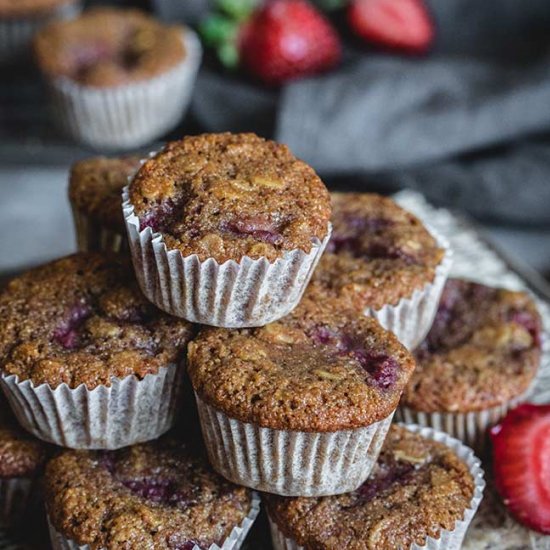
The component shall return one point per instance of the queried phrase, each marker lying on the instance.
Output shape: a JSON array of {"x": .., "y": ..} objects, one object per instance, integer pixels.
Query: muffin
[
  {"x": 382, "y": 261},
  {"x": 301, "y": 406},
  {"x": 226, "y": 229},
  {"x": 119, "y": 78},
  {"x": 478, "y": 361},
  {"x": 21, "y": 461},
  {"x": 422, "y": 493},
  {"x": 154, "y": 495},
  {"x": 21, "y": 19},
  {"x": 86, "y": 361},
  {"x": 95, "y": 193}
]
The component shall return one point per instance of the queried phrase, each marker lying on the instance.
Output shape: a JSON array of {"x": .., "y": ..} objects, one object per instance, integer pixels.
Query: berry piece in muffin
[
  {"x": 482, "y": 351},
  {"x": 378, "y": 253},
  {"x": 521, "y": 462},
  {"x": 320, "y": 369},
  {"x": 417, "y": 488},
  {"x": 156, "y": 495},
  {"x": 82, "y": 320},
  {"x": 226, "y": 196}
]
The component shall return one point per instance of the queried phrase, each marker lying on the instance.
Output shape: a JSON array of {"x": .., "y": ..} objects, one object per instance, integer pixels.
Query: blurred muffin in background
[
  {"x": 20, "y": 19},
  {"x": 119, "y": 77}
]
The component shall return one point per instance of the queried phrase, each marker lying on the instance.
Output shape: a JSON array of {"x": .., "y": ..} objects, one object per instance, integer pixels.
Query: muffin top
[
  {"x": 378, "y": 252},
  {"x": 417, "y": 488},
  {"x": 109, "y": 47},
  {"x": 30, "y": 8},
  {"x": 95, "y": 188},
  {"x": 82, "y": 320},
  {"x": 483, "y": 350},
  {"x": 225, "y": 196},
  {"x": 21, "y": 455},
  {"x": 320, "y": 369},
  {"x": 154, "y": 495}
]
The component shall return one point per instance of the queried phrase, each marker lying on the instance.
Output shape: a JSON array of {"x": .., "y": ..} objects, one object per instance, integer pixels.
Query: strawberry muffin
[
  {"x": 155, "y": 495},
  {"x": 301, "y": 406},
  {"x": 226, "y": 229},
  {"x": 382, "y": 261},
  {"x": 119, "y": 77},
  {"x": 86, "y": 360},
  {"x": 21, "y": 461},
  {"x": 478, "y": 360},
  {"x": 95, "y": 193},
  {"x": 422, "y": 493}
]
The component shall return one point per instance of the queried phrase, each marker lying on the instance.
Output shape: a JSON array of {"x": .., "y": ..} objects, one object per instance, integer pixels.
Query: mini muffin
[
  {"x": 154, "y": 495},
  {"x": 422, "y": 493},
  {"x": 120, "y": 77},
  {"x": 86, "y": 360},
  {"x": 20, "y": 19},
  {"x": 478, "y": 360},
  {"x": 382, "y": 261},
  {"x": 95, "y": 193},
  {"x": 301, "y": 406},
  {"x": 225, "y": 229},
  {"x": 21, "y": 461}
]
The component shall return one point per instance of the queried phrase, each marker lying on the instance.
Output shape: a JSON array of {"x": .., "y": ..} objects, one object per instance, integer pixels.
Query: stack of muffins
[{"x": 299, "y": 326}]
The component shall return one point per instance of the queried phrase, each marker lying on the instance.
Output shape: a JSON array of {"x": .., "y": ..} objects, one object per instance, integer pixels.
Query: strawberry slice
[
  {"x": 521, "y": 453},
  {"x": 395, "y": 24}
]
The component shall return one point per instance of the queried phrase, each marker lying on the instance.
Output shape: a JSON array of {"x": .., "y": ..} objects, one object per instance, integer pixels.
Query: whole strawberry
[
  {"x": 521, "y": 463},
  {"x": 393, "y": 24}
]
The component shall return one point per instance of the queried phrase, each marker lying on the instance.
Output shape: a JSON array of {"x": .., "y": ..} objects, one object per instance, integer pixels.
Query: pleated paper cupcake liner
[
  {"x": 16, "y": 496},
  {"x": 93, "y": 236},
  {"x": 470, "y": 427},
  {"x": 411, "y": 318},
  {"x": 129, "y": 411},
  {"x": 290, "y": 463},
  {"x": 130, "y": 115},
  {"x": 448, "y": 539},
  {"x": 249, "y": 293},
  {"x": 16, "y": 34},
  {"x": 233, "y": 542}
]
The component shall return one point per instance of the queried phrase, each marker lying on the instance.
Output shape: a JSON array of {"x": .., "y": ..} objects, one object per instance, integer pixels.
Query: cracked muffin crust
[
  {"x": 417, "y": 488},
  {"x": 13, "y": 9},
  {"x": 378, "y": 253},
  {"x": 320, "y": 369},
  {"x": 156, "y": 495},
  {"x": 83, "y": 320},
  {"x": 95, "y": 188},
  {"x": 226, "y": 196},
  {"x": 483, "y": 350},
  {"x": 21, "y": 455},
  {"x": 109, "y": 47}
]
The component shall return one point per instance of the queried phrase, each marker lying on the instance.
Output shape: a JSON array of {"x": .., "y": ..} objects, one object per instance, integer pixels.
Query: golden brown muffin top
[
  {"x": 109, "y": 47},
  {"x": 30, "y": 8},
  {"x": 226, "y": 196},
  {"x": 483, "y": 350},
  {"x": 95, "y": 188},
  {"x": 320, "y": 369},
  {"x": 21, "y": 455},
  {"x": 83, "y": 320},
  {"x": 154, "y": 495},
  {"x": 378, "y": 252},
  {"x": 417, "y": 488}
]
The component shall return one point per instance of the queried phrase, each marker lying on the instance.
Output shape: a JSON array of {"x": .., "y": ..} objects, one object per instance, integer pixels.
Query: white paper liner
[
  {"x": 471, "y": 427},
  {"x": 290, "y": 463},
  {"x": 249, "y": 293},
  {"x": 233, "y": 542},
  {"x": 448, "y": 539},
  {"x": 411, "y": 318},
  {"x": 16, "y": 495},
  {"x": 92, "y": 236},
  {"x": 16, "y": 34},
  {"x": 129, "y": 411},
  {"x": 131, "y": 115}
]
